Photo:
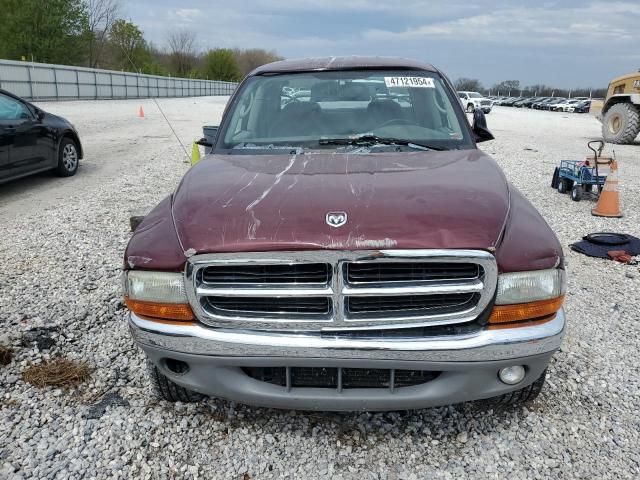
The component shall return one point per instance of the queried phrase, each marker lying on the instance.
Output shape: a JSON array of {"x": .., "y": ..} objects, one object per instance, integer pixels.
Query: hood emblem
[{"x": 336, "y": 219}]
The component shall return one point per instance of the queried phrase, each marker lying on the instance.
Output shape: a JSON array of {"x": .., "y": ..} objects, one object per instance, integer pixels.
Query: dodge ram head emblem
[{"x": 336, "y": 219}]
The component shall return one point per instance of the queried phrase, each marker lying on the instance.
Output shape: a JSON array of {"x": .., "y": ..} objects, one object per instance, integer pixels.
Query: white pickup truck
[{"x": 472, "y": 100}]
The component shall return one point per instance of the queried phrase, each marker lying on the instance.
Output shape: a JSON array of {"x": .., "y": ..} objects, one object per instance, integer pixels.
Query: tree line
[
  {"x": 94, "y": 33},
  {"x": 515, "y": 89}
]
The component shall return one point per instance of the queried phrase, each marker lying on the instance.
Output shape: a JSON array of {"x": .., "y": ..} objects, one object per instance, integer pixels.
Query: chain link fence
[{"x": 42, "y": 81}]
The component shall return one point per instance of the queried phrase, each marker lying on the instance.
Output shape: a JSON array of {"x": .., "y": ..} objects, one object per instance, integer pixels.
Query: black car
[
  {"x": 522, "y": 103},
  {"x": 512, "y": 100},
  {"x": 528, "y": 103},
  {"x": 539, "y": 105},
  {"x": 32, "y": 140},
  {"x": 551, "y": 105},
  {"x": 582, "y": 107}
]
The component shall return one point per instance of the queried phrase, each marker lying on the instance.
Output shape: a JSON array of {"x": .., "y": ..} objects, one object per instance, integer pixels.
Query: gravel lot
[{"x": 61, "y": 250}]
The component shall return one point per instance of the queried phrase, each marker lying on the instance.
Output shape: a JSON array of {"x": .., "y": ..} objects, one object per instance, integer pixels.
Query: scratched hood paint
[{"x": 455, "y": 199}]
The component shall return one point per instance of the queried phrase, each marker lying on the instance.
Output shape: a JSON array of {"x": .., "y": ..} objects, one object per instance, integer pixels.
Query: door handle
[{"x": 10, "y": 129}]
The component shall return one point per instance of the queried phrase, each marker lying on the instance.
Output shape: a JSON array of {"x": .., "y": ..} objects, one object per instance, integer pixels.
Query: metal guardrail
[{"x": 42, "y": 81}]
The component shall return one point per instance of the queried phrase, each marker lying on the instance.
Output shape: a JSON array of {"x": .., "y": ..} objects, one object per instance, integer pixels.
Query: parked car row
[{"x": 552, "y": 104}]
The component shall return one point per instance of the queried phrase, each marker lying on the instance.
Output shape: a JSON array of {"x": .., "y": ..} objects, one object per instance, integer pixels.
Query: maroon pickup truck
[{"x": 345, "y": 246}]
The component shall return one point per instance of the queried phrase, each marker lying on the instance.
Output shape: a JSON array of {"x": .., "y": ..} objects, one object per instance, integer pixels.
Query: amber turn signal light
[
  {"x": 167, "y": 311},
  {"x": 525, "y": 311}
]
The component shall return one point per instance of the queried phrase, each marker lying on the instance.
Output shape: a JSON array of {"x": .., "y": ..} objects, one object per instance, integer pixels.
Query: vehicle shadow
[
  {"x": 442, "y": 424},
  {"x": 25, "y": 183},
  {"x": 43, "y": 182}
]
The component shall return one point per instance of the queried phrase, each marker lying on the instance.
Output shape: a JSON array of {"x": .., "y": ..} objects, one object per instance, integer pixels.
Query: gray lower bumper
[
  {"x": 468, "y": 363},
  {"x": 484, "y": 345}
]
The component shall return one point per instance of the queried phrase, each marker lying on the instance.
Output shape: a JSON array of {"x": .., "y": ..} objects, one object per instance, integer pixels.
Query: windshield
[
  {"x": 304, "y": 110},
  {"x": 475, "y": 95}
]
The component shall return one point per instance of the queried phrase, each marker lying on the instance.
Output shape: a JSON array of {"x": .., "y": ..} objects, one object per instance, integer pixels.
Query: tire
[
  {"x": 470, "y": 108},
  {"x": 68, "y": 158},
  {"x": 169, "y": 391},
  {"x": 517, "y": 398},
  {"x": 576, "y": 193},
  {"x": 565, "y": 185},
  {"x": 621, "y": 123},
  {"x": 555, "y": 180}
]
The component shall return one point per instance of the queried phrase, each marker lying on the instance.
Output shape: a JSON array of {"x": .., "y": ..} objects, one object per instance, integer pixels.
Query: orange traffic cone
[
  {"x": 609, "y": 202},
  {"x": 141, "y": 112}
]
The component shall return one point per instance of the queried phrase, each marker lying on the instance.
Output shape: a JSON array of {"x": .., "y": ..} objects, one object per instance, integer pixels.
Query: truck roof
[
  {"x": 342, "y": 63},
  {"x": 626, "y": 77}
]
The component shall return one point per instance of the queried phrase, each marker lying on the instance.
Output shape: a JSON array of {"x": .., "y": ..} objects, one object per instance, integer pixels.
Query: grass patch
[
  {"x": 6, "y": 354},
  {"x": 58, "y": 372}
]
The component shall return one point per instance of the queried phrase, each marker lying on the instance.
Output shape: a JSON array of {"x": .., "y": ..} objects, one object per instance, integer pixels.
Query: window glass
[
  {"x": 301, "y": 109},
  {"x": 11, "y": 109}
]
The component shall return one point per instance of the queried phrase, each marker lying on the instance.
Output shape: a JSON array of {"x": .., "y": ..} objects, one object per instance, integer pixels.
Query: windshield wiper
[
  {"x": 270, "y": 146},
  {"x": 371, "y": 139}
]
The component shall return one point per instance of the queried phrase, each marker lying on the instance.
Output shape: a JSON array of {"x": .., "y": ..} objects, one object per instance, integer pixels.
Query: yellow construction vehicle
[{"x": 620, "y": 110}]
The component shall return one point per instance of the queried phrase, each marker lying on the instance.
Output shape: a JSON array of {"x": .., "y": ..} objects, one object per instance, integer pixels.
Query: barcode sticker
[{"x": 419, "y": 82}]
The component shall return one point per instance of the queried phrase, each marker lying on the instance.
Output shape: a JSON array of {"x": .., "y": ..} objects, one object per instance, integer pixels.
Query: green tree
[
  {"x": 101, "y": 15},
  {"x": 252, "y": 58},
  {"x": 129, "y": 48},
  {"x": 51, "y": 31},
  {"x": 220, "y": 64}
]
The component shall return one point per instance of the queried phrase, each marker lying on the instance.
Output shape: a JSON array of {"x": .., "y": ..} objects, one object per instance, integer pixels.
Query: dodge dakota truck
[{"x": 349, "y": 248}]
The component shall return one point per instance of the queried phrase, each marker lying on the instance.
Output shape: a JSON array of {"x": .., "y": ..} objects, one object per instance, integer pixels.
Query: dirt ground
[{"x": 61, "y": 254}]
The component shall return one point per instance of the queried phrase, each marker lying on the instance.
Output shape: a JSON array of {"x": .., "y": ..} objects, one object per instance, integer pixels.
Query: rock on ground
[{"x": 61, "y": 251}]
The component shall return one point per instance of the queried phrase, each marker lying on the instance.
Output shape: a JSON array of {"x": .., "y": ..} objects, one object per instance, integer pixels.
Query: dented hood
[{"x": 452, "y": 199}]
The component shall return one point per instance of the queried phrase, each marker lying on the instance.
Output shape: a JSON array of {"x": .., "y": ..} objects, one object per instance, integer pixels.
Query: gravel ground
[{"x": 61, "y": 252}]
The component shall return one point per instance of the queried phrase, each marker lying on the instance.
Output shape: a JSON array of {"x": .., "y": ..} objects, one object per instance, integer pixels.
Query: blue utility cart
[{"x": 580, "y": 176}]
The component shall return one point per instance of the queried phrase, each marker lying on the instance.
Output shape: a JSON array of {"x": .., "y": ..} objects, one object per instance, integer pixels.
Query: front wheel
[
  {"x": 576, "y": 193},
  {"x": 555, "y": 180},
  {"x": 68, "y": 158},
  {"x": 517, "y": 398},
  {"x": 168, "y": 390},
  {"x": 564, "y": 185}
]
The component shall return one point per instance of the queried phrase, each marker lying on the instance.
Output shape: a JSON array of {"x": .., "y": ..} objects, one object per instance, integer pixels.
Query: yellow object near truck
[{"x": 620, "y": 110}]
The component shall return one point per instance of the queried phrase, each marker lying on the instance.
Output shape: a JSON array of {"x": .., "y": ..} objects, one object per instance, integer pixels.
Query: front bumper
[{"x": 468, "y": 363}]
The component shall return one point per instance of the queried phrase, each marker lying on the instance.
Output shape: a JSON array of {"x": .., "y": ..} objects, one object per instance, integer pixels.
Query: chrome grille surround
[{"x": 338, "y": 288}]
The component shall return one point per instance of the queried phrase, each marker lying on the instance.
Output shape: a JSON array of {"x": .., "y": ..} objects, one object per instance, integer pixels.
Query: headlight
[
  {"x": 157, "y": 295},
  {"x": 528, "y": 296},
  {"x": 521, "y": 287}
]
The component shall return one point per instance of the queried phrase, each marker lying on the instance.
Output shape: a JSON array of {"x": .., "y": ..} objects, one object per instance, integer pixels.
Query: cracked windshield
[{"x": 325, "y": 110}]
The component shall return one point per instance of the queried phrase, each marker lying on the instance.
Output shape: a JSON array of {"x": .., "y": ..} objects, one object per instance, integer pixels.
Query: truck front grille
[
  {"x": 412, "y": 304},
  {"x": 372, "y": 272},
  {"x": 269, "y": 306},
  {"x": 333, "y": 291},
  {"x": 340, "y": 378},
  {"x": 303, "y": 273}
]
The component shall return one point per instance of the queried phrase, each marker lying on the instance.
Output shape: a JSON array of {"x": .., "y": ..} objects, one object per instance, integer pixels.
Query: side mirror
[
  {"x": 480, "y": 129},
  {"x": 39, "y": 114},
  {"x": 210, "y": 133}
]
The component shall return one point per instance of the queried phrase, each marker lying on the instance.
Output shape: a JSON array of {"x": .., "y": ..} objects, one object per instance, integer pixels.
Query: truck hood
[{"x": 451, "y": 199}]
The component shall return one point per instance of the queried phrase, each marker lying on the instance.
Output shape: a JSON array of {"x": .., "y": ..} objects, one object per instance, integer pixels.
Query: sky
[{"x": 572, "y": 43}]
